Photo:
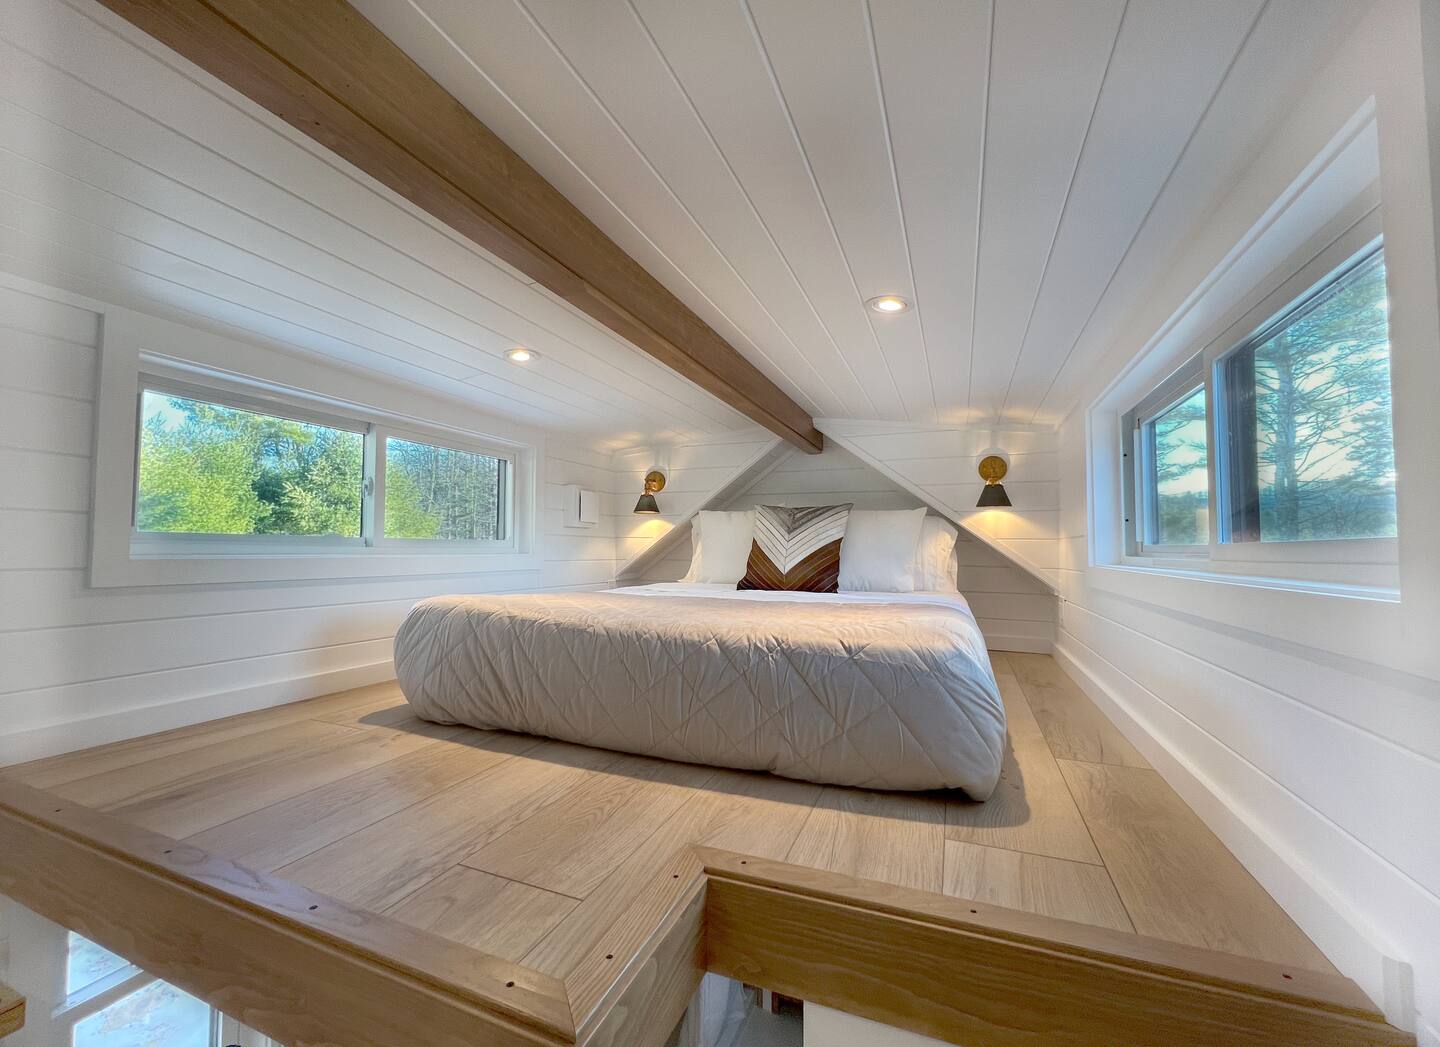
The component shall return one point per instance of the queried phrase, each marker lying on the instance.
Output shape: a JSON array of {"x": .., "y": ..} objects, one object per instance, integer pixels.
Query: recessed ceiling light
[
  {"x": 888, "y": 303},
  {"x": 520, "y": 355}
]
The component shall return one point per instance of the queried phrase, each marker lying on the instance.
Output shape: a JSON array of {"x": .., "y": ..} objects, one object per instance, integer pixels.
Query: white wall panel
[
  {"x": 1036, "y": 128},
  {"x": 696, "y": 473},
  {"x": 1313, "y": 760},
  {"x": 1170, "y": 59},
  {"x": 84, "y": 666},
  {"x": 133, "y": 177},
  {"x": 941, "y": 467},
  {"x": 1015, "y": 611},
  {"x": 824, "y": 63}
]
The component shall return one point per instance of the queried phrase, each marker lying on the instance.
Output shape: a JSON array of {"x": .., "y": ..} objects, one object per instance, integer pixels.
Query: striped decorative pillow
[{"x": 796, "y": 549}]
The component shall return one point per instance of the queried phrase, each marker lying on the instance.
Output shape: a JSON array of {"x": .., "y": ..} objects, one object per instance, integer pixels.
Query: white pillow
[
  {"x": 722, "y": 546},
  {"x": 878, "y": 553},
  {"x": 936, "y": 562}
]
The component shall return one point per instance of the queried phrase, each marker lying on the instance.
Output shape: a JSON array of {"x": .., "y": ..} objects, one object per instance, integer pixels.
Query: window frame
[
  {"x": 1350, "y": 561},
  {"x": 45, "y": 944},
  {"x": 222, "y": 394},
  {"x": 139, "y": 351},
  {"x": 292, "y": 405},
  {"x": 382, "y": 434},
  {"x": 1341, "y": 257},
  {"x": 1140, "y": 492}
]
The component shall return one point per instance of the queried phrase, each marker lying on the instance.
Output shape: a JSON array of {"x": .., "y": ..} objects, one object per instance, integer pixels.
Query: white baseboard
[
  {"x": 1177, "y": 748},
  {"x": 1022, "y": 644},
  {"x": 36, "y": 743},
  {"x": 1427, "y": 1035}
]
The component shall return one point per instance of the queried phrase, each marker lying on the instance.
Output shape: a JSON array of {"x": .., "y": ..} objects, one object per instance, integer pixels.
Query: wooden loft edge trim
[
  {"x": 640, "y": 1006},
  {"x": 305, "y": 968},
  {"x": 1221, "y": 970},
  {"x": 324, "y": 69},
  {"x": 12, "y": 1011},
  {"x": 299, "y": 966},
  {"x": 973, "y": 974}
]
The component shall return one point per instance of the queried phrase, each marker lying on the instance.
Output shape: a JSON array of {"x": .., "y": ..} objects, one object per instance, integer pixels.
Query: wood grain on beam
[
  {"x": 974, "y": 974},
  {"x": 324, "y": 69}
]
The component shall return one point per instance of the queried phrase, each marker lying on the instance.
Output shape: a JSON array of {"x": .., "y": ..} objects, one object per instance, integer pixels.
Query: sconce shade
[
  {"x": 992, "y": 470},
  {"x": 654, "y": 481},
  {"x": 992, "y": 495}
]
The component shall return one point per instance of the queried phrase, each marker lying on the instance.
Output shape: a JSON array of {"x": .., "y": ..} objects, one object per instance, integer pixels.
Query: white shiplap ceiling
[
  {"x": 128, "y": 175},
  {"x": 1019, "y": 169},
  {"x": 1022, "y": 171}
]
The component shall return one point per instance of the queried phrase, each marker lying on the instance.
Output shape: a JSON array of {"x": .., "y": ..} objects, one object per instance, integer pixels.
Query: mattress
[{"x": 880, "y": 690}]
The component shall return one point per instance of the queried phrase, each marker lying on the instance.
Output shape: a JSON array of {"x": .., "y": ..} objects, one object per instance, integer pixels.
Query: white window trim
[
  {"x": 1356, "y": 565},
  {"x": 376, "y": 499},
  {"x": 1139, "y": 493},
  {"x": 137, "y": 350},
  {"x": 54, "y": 1013}
]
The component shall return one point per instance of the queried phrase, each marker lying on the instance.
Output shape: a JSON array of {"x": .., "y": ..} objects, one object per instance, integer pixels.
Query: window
[
  {"x": 220, "y": 471},
  {"x": 158, "y": 1015},
  {"x": 1274, "y": 443},
  {"x": 218, "y": 461},
  {"x": 88, "y": 964},
  {"x": 109, "y": 1001},
  {"x": 210, "y": 469},
  {"x": 1310, "y": 453},
  {"x": 1177, "y": 476},
  {"x": 439, "y": 492}
]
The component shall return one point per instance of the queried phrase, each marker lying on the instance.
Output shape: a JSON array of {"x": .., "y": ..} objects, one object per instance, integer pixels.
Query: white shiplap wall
[
  {"x": 132, "y": 176},
  {"x": 696, "y": 472},
  {"x": 941, "y": 467},
  {"x": 1303, "y": 726},
  {"x": 1015, "y": 611},
  {"x": 80, "y": 666}
]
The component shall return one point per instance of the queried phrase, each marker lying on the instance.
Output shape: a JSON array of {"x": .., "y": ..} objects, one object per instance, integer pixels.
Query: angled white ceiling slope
[
  {"x": 1020, "y": 169},
  {"x": 131, "y": 176}
]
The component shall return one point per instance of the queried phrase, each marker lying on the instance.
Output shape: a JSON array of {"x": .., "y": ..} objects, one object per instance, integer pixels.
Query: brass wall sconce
[
  {"x": 654, "y": 481},
  {"x": 992, "y": 471}
]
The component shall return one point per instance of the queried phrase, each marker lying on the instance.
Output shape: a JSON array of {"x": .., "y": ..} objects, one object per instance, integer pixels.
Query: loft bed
[{"x": 337, "y": 870}]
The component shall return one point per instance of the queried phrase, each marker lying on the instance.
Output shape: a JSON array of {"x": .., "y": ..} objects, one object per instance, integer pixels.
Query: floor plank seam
[
  {"x": 464, "y": 863},
  {"x": 361, "y": 828}
]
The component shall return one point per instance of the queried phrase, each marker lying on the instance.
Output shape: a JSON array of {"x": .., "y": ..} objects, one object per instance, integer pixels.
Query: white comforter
[{"x": 882, "y": 690}]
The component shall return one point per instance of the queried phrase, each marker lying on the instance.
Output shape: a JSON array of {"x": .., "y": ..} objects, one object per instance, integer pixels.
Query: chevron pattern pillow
[{"x": 796, "y": 549}]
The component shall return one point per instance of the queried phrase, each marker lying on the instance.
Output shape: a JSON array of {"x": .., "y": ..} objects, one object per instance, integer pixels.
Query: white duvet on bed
[{"x": 882, "y": 690}]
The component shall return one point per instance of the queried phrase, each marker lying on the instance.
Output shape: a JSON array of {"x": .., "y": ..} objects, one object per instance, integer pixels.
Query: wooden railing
[
  {"x": 304, "y": 968},
  {"x": 12, "y": 1011}
]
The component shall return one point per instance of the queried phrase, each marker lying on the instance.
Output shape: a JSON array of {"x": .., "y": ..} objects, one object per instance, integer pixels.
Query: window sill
[
  {"x": 1369, "y": 624},
  {"x": 203, "y": 568},
  {"x": 1205, "y": 571}
]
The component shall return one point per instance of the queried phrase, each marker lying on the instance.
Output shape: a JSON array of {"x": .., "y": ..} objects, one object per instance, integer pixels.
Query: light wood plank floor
[{"x": 532, "y": 850}]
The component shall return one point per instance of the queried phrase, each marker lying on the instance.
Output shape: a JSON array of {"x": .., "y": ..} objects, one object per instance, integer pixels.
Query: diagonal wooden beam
[{"x": 323, "y": 68}]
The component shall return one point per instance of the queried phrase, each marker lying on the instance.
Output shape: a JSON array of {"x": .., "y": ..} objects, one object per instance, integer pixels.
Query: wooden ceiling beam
[{"x": 327, "y": 71}]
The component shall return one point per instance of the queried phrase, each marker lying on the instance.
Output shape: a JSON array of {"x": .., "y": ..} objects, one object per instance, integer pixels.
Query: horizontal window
[
  {"x": 434, "y": 492},
  {"x": 1177, "y": 474},
  {"x": 206, "y": 468},
  {"x": 1308, "y": 413},
  {"x": 220, "y": 472},
  {"x": 1274, "y": 443}
]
